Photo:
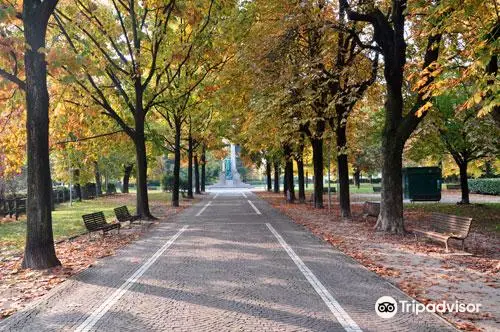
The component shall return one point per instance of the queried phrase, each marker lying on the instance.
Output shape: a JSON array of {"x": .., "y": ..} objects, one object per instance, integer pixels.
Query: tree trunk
[
  {"x": 464, "y": 183},
  {"x": 300, "y": 173},
  {"x": 289, "y": 188},
  {"x": 268, "y": 176},
  {"x": 276, "y": 177},
  {"x": 317, "y": 146},
  {"x": 142, "y": 207},
  {"x": 203, "y": 168},
  {"x": 391, "y": 207},
  {"x": 126, "y": 177},
  {"x": 106, "y": 183},
  {"x": 285, "y": 179},
  {"x": 190, "y": 167},
  {"x": 177, "y": 163},
  {"x": 343, "y": 169},
  {"x": 78, "y": 187},
  {"x": 196, "y": 175},
  {"x": 39, "y": 252},
  {"x": 98, "y": 180},
  {"x": 357, "y": 177}
]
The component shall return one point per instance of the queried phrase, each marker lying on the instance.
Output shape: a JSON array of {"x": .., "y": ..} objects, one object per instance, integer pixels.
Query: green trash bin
[{"x": 422, "y": 183}]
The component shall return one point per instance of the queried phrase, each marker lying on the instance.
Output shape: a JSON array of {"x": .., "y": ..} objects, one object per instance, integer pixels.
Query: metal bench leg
[
  {"x": 446, "y": 243},
  {"x": 463, "y": 245}
]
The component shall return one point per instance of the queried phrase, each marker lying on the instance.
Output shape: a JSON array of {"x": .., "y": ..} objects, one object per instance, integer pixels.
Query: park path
[{"x": 229, "y": 263}]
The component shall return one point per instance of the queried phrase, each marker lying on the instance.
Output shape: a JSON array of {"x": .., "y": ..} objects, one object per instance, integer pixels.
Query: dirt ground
[{"x": 420, "y": 268}]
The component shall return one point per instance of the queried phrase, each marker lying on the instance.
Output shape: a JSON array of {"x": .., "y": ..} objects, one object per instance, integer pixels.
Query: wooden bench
[
  {"x": 95, "y": 222},
  {"x": 4, "y": 208},
  {"x": 453, "y": 187},
  {"x": 20, "y": 207},
  {"x": 377, "y": 189},
  {"x": 122, "y": 214},
  {"x": 371, "y": 209},
  {"x": 445, "y": 227}
]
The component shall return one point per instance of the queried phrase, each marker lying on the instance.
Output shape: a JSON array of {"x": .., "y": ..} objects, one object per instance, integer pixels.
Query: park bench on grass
[
  {"x": 445, "y": 227},
  {"x": 95, "y": 222},
  {"x": 20, "y": 207},
  {"x": 371, "y": 209},
  {"x": 12, "y": 207},
  {"x": 122, "y": 214}
]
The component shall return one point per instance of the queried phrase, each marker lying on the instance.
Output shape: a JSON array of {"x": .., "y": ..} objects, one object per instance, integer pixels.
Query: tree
[
  {"x": 464, "y": 136},
  {"x": 39, "y": 250},
  {"x": 389, "y": 35},
  {"x": 346, "y": 89},
  {"x": 140, "y": 53}
]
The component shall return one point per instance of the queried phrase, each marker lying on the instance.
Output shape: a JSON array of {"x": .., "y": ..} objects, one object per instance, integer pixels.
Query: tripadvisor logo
[{"x": 387, "y": 307}]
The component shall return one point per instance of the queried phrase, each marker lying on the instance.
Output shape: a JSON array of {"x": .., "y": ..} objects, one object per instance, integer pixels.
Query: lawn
[
  {"x": 364, "y": 188},
  {"x": 67, "y": 220},
  {"x": 486, "y": 216}
]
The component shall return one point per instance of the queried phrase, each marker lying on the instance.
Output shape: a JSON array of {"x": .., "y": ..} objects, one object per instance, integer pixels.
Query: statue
[{"x": 229, "y": 176}]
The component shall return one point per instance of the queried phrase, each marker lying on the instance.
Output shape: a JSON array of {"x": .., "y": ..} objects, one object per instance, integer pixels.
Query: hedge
[
  {"x": 167, "y": 183},
  {"x": 485, "y": 186}
]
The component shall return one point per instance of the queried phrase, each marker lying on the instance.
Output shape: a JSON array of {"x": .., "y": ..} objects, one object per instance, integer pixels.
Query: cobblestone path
[{"x": 229, "y": 263}]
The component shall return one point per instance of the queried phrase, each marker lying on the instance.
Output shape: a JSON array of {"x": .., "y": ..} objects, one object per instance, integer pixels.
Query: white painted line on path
[
  {"x": 204, "y": 208},
  {"x": 244, "y": 194},
  {"x": 216, "y": 195},
  {"x": 340, "y": 314},
  {"x": 254, "y": 207},
  {"x": 97, "y": 314}
]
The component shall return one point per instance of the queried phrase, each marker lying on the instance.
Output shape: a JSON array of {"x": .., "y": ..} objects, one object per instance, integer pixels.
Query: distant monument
[{"x": 229, "y": 176}]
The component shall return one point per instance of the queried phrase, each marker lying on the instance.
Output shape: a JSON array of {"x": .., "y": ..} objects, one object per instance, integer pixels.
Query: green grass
[
  {"x": 486, "y": 216},
  {"x": 364, "y": 188},
  {"x": 67, "y": 220}
]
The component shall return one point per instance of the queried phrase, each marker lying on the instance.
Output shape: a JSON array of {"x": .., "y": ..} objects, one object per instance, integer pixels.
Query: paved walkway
[{"x": 230, "y": 263}]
